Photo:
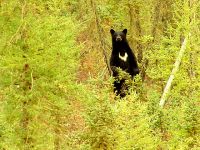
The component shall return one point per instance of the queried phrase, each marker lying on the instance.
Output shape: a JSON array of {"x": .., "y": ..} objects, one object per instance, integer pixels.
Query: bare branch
[{"x": 20, "y": 26}]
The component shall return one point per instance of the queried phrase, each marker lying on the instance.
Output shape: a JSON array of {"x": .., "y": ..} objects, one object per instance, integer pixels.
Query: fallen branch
[{"x": 175, "y": 69}]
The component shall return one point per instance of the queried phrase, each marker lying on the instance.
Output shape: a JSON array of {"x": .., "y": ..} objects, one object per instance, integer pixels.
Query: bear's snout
[{"x": 118, "y": 38}]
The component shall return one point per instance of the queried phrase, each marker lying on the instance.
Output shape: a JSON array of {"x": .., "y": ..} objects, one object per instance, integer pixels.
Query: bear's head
[{"x": 118, "y": 36}]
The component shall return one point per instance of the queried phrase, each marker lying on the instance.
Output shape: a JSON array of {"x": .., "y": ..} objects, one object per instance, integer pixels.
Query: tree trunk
[
  {"x": 175, "y": 69},
  {"x": 101, "y": 38}
]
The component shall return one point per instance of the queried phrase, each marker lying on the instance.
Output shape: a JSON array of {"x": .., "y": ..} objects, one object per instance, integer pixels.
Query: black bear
[{"x": 122, "y": 58}]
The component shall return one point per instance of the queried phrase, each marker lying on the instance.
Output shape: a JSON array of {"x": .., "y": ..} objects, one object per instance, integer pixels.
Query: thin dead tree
[
  {"x": 175, "y": 69},
  {"x": 135, "y": 22},
  {"x": 102, "y": 42}
]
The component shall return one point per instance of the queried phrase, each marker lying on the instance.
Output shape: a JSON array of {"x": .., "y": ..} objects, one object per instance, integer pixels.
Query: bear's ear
[
  {"x": 112, "y": 31},
  {"x": 124, "y": 31}
]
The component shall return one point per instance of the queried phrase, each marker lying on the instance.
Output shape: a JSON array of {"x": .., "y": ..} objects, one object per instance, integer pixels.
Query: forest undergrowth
[{"x": 56, "y": 91}]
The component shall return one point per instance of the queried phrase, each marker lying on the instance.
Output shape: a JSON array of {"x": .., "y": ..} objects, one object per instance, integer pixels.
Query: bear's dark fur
[{"x": 122, "y": 58}]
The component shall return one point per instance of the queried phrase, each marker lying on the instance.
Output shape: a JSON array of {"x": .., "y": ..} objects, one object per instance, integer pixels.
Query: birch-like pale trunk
[{"x": 175, "y": 69}]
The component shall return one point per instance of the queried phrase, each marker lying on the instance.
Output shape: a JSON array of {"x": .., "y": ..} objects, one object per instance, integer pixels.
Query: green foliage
[
  {"x": 101, "y": 124},
  {"x": 40, "y": 59},
  {"x": 55, "y": 90}
]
